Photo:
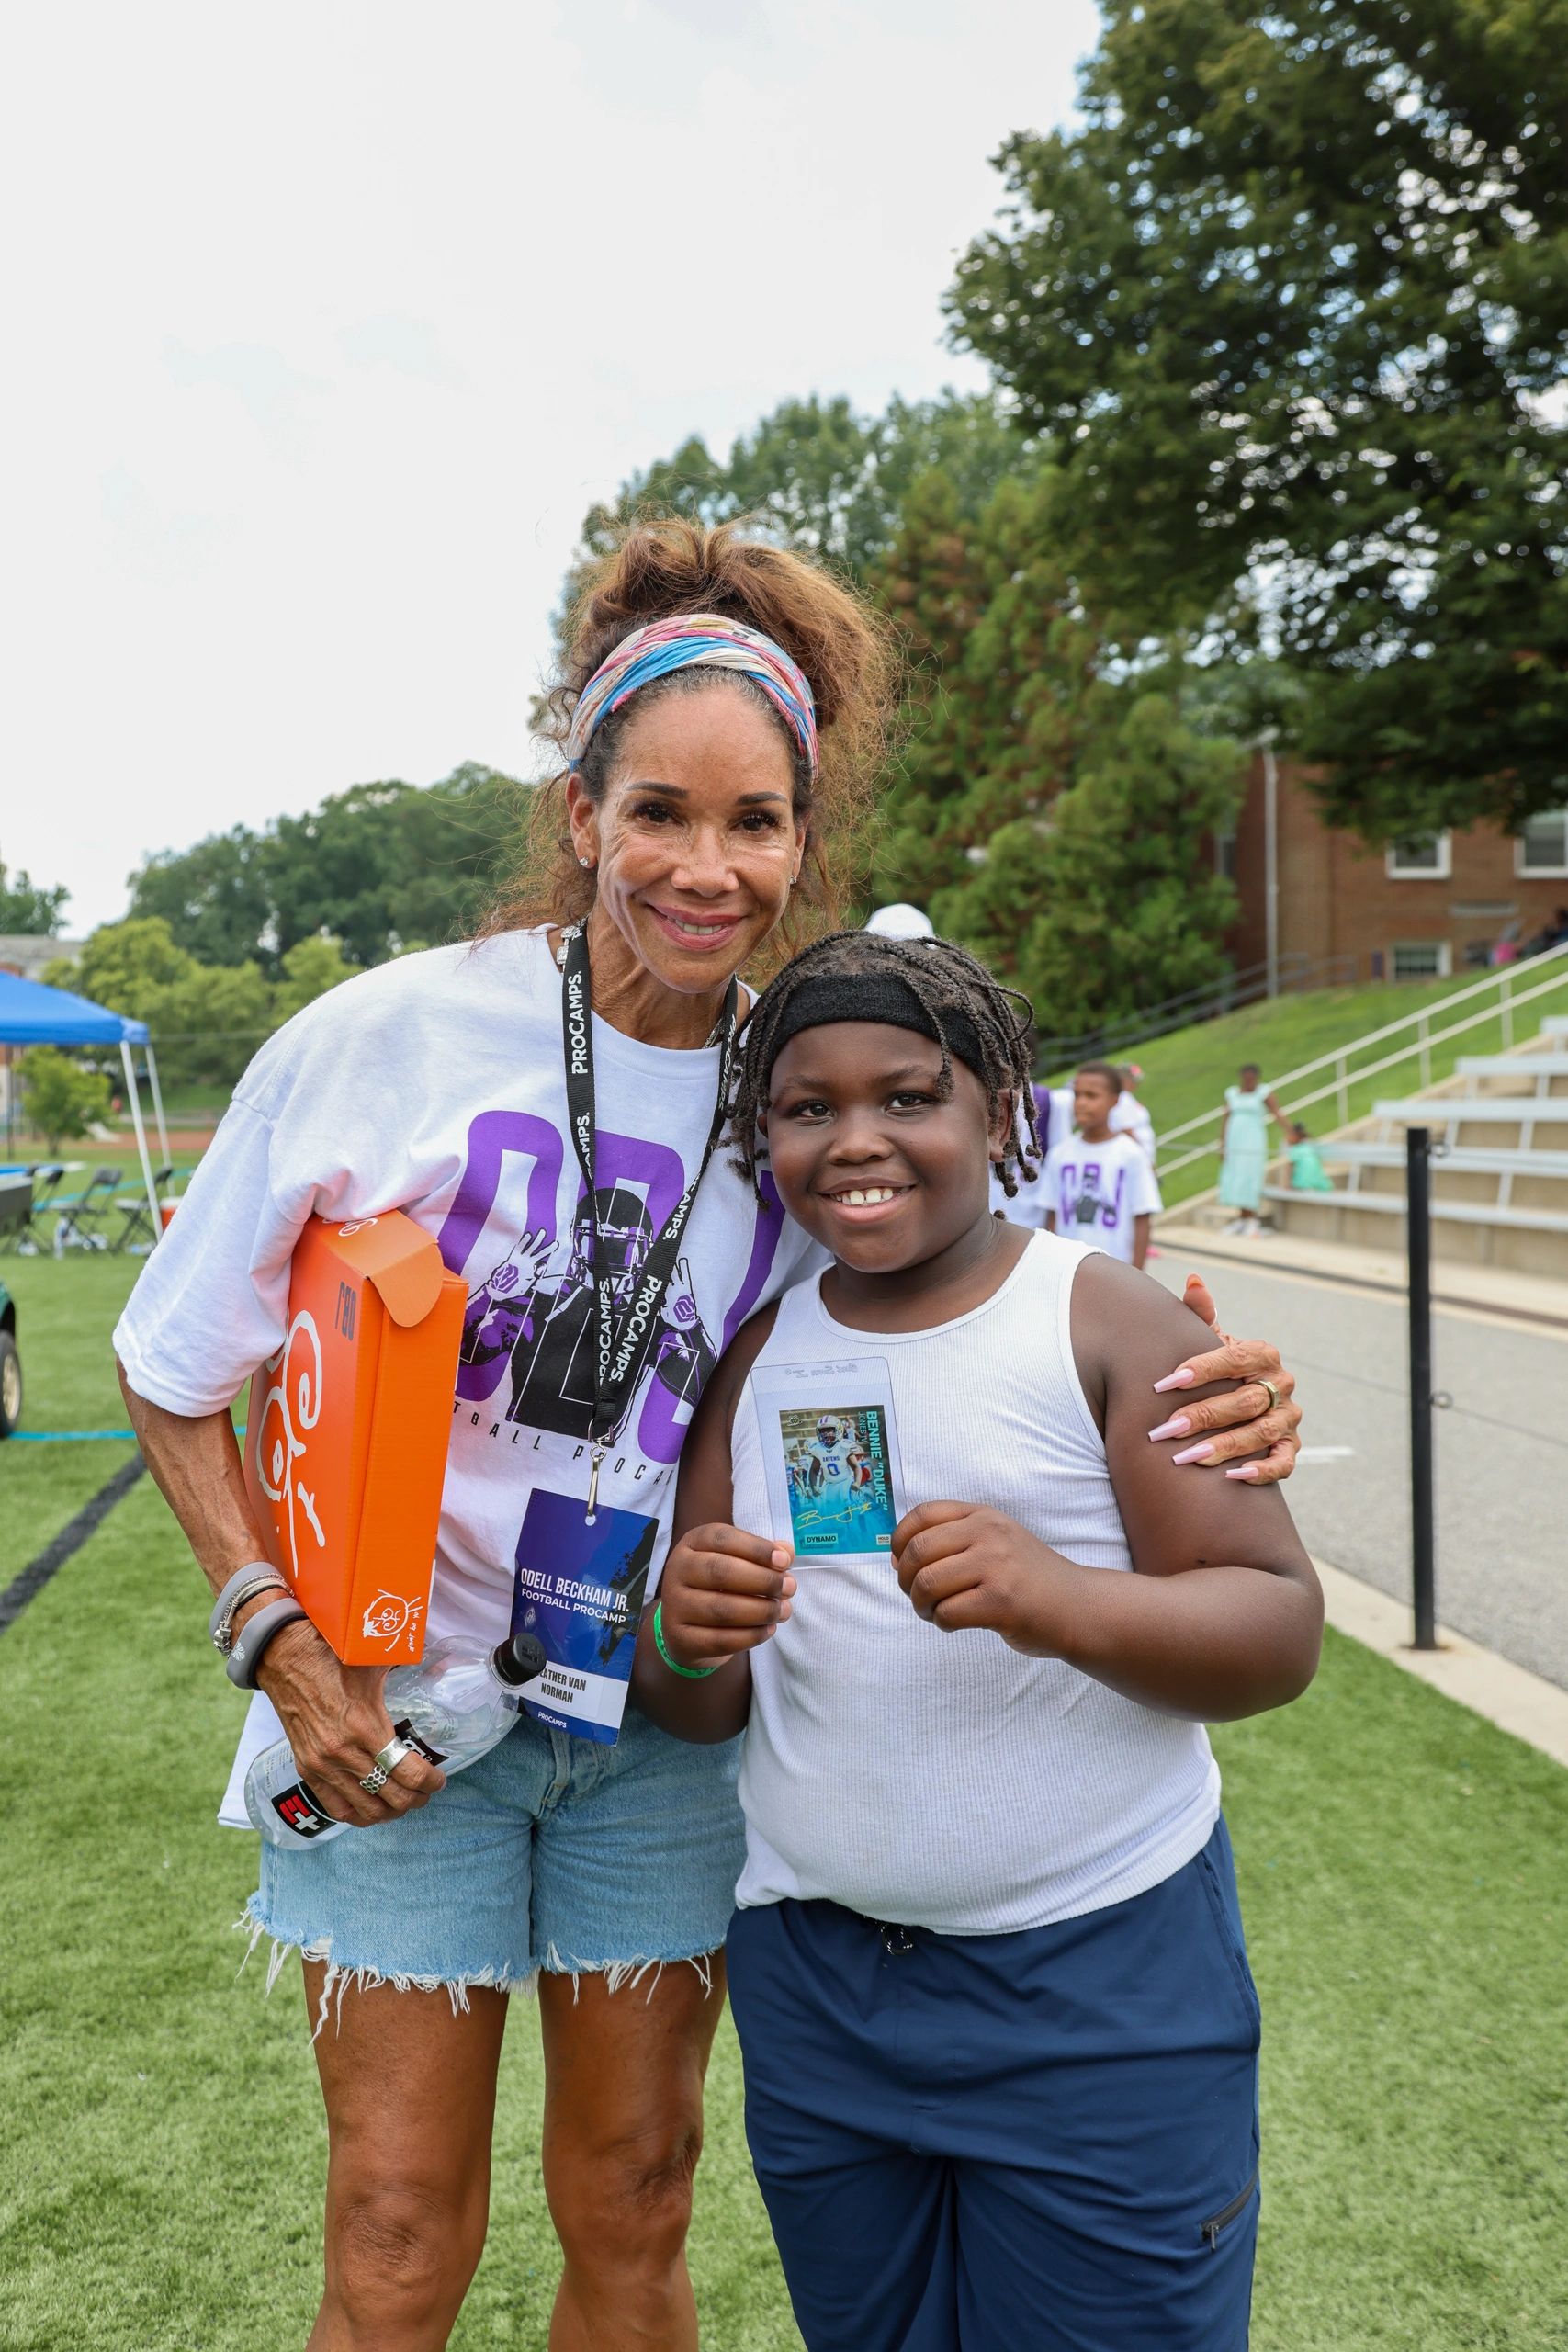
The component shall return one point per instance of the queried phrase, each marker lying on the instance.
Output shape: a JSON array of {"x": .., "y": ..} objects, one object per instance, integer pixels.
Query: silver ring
[
  {"x": 387, "y": 1760},
  {"x": 1273, "y": 1394}
]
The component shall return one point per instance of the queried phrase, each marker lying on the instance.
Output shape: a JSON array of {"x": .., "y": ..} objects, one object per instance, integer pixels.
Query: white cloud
[{"x": 331, "y": 322}]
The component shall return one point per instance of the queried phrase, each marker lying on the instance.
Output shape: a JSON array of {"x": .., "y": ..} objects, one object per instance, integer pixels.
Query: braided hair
[{"x": 955, "y": 992}]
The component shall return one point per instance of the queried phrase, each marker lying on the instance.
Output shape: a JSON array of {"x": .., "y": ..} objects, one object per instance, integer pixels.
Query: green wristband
[{"x": 687, "y": 1673}]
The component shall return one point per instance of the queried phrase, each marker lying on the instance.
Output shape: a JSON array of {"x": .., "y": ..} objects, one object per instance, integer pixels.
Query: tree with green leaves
[
  {"x": 382, "y": 867},
  {"x": 817, "y": 475},
  {"x": 385, "y": 868},
  {"x": 1289, "y": 296},
  {"x": 1054, "y": 815},
  {"x": 1000, "y": 657},
  {"x": 31, "y": 906},
  {"x": 217, "y": 896},
  {"x": 64, "y": 1099},
  {"x": 1107, "y": 900},
  {"x": 206, "y": 1020},
  {"x": 310, "y": 967},
  {"x": 127, "y": 966}
]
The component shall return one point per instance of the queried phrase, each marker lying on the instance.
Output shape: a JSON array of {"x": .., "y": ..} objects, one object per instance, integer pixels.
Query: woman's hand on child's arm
[
  {"x": 1223, "y": 1617},
  {"x": 1244, "y": 1423}
]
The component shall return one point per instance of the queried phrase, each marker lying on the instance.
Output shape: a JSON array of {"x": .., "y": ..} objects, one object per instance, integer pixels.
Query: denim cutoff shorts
[{"x": 551, "y": 1853}]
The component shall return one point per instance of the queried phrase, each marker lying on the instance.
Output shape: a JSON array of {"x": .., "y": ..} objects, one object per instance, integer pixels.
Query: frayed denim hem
[
  {"x": 628, "y": 1974},
  {"x": 339, "y": 1976},
  {"x": 619, "y": 1975}
]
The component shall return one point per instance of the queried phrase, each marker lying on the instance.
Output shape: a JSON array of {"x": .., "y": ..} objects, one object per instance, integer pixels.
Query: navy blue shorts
[{"x": 1044, "y": 2142}]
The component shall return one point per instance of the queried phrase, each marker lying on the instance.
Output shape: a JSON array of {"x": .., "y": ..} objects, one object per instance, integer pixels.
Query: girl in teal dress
[
  {"x": 1243, "y": 1146},
  {"x": 1308, "y": 1173}
]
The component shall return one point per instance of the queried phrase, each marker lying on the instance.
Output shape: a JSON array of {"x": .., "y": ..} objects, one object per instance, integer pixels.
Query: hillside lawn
[
  {"x": 1187, "y": 1073},
  {"x": 1401, "y": 1873}
]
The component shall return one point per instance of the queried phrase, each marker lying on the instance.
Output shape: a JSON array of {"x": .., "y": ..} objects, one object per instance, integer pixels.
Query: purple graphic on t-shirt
[
  {"x": 497, "y": 1313},
  {"x": 1084, "y": 1203},
  {"x": 531, "y": 1314},
  {"x": 673, "y": 1395}
]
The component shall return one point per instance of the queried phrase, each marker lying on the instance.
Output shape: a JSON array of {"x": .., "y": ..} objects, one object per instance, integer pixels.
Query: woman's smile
[{"x": 699, "y": 934}]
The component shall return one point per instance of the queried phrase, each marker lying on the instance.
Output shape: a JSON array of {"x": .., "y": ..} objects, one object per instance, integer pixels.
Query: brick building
[{"x": 1419, "y": 909}]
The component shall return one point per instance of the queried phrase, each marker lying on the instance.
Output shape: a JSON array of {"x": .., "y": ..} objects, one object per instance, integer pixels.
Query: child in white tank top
[{"x": 987, "y": 1969}]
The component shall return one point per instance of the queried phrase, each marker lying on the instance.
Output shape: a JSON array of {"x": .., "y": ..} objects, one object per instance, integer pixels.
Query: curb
[{"x": 1546, "y": 1310}]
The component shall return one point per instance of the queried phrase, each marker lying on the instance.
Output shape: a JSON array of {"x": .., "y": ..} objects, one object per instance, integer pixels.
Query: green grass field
[{"x": 1401, "y": 1870}]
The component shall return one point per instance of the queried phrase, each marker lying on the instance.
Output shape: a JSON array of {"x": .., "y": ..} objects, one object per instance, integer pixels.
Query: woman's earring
[{"x": 588, "y": 861}]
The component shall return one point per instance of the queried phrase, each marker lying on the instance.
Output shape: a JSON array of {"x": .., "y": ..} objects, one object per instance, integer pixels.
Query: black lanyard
[{"x": 622, "y": 1348}]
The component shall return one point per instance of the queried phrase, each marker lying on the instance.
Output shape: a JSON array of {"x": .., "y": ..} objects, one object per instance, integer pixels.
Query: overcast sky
[{"x": 327, "y": 322}]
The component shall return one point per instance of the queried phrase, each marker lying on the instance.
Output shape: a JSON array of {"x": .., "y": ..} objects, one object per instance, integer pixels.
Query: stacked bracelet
[
  {"x": 687, "y": 1673},
  {"x": 250, "y": 1642},
  {"x": 256, "y": 1575}
]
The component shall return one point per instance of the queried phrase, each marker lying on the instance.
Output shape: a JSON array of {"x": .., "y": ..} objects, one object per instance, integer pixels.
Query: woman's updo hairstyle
[{"x": 666, "y": 565}]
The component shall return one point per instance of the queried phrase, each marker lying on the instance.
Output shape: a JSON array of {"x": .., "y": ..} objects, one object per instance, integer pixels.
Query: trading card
[{"x": 831, "y": 1448}]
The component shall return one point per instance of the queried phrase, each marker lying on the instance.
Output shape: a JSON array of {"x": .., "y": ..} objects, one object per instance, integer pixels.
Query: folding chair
[
  {"x": 16, "y": 1200},
  {"x": 29, "y": 1238},
  {"x": 80, "y": 1219},
  {"x": 137, "y": 1233}
]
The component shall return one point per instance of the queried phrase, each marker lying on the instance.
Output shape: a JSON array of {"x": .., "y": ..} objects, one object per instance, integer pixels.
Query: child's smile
[
  {"x": 861, "y": 1203},
  {"x": 867, "y": 1152}
]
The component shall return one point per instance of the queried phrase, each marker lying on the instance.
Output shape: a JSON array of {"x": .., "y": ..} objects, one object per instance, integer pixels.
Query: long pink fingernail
[
  {"x": 1182, "y": 1379},
  {"x": 1195, "y": 1453},
  {"x": 1179, "y": 1427},
  {"x": 1248, "y": 1470}
]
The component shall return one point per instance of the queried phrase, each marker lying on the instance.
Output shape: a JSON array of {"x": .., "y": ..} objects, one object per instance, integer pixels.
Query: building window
[
  {"x": 1422, "y": 959},
  {"x": 1225, "y": 854},
  {"x": 1543, "y": 846},
  {"x": 1422, "y": 858}
]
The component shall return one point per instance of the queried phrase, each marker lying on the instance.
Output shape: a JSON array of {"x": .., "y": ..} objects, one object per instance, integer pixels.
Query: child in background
[
  {"x": 1308, "y": 1173},
  {"x": 1027, "y": 1202},
  {"x": 1129, "y": 1117},
  {"x": 988, "y": 1968},
  {"x": 1098, "y": 1185},
  {"x": 1244, "y": 1149}
]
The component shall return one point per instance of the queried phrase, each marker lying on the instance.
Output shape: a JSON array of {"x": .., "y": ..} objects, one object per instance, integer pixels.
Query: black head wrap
[{"x": 883, "y": 997}]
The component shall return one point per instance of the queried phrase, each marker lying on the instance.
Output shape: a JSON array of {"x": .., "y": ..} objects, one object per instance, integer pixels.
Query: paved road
[{"x": 1502, "y": 1486}]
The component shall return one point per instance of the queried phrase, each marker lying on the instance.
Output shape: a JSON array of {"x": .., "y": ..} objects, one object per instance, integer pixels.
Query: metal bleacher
[{"x": 1499, "y": 1169}]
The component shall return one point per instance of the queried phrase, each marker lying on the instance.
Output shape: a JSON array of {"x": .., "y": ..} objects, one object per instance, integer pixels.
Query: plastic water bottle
[{"x": 452, "y": 1708}]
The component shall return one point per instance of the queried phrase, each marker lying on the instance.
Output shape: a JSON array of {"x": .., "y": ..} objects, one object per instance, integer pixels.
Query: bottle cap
[{"x": 519, "y": 1659}]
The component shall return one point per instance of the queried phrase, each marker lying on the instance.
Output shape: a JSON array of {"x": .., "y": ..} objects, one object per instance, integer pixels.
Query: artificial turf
[{"x": 1401, "y": 1870}]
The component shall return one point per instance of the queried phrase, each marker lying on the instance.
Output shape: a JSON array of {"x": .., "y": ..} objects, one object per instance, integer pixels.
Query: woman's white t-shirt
[{"x": 435, "y": 1085}]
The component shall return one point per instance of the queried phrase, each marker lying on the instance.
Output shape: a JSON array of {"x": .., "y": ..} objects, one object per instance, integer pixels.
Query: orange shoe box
[{"x": 346, "y": 1434}]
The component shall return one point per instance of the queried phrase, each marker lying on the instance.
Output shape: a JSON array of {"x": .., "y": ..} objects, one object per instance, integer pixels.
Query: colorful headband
[{"x": 685, "y": 641}]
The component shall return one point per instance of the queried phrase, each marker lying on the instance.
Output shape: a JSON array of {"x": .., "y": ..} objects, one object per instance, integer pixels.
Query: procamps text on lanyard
[{"x": 622, "y": 1348}]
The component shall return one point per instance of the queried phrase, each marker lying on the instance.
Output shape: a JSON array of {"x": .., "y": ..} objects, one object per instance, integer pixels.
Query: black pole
[{"x": 1418, "y": 1199}]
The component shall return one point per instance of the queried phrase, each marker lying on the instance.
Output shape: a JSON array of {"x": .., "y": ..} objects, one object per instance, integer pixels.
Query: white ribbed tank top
[{"x": 941, "y": 1780}]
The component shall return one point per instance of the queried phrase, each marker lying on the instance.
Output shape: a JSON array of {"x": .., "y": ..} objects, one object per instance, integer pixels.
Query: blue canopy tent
[{"x": 32, "y": 1015}]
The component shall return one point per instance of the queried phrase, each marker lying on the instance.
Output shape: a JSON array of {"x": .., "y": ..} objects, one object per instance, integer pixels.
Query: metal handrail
[{"x": 1508, "y": 1000}]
